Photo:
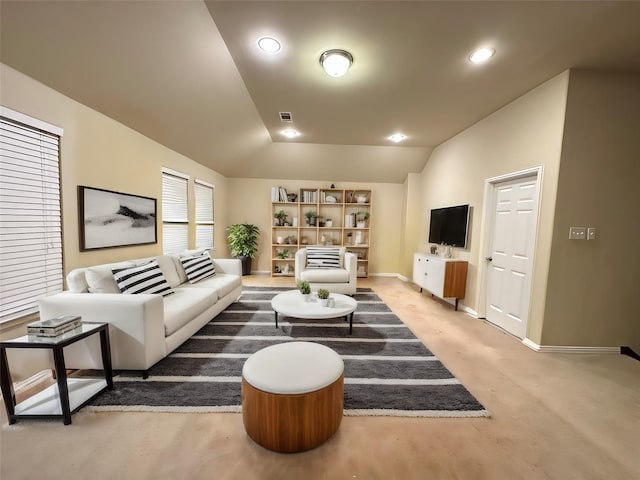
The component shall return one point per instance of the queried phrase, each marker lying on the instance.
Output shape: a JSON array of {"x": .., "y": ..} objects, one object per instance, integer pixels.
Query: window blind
[
  {"x": 204, "y": 214},
  {"x": 175, "y": 213},
  {"x": 30, "y": 220}
]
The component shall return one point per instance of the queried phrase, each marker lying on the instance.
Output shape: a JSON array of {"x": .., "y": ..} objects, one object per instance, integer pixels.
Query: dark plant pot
[{"x": 246, "y": 264}]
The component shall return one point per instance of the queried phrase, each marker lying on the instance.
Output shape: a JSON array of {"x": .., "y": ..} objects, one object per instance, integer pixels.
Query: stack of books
[{"x": 54, "y": 326}]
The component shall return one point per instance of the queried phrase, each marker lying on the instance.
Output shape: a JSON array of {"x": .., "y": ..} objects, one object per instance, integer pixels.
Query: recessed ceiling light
[
  {"x": 482, "y": 55},
  {"x": 397, "y": 137},
  {"x": 290, "y": 133},
  {"x": 269, "y": 45}
]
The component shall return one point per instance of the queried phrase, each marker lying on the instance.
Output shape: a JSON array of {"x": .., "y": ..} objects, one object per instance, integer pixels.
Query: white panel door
[{"x": 511, "y": 254}]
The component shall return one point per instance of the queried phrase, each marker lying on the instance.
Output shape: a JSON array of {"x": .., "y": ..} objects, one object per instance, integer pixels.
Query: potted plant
[
  {"x": 305, "y": 289},
  {"x": 282, "y": 254},
  {"x": 323, "y": 296},
  {"x": 243, "y": 243},
  {"x": 281, "y": 216},
  {"x": 361, "y": 219},
  {"x": 311, "y": 217}
]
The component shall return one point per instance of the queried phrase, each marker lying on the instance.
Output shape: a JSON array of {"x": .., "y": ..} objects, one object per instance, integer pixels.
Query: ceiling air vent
[{"x": 286, "y": 117}]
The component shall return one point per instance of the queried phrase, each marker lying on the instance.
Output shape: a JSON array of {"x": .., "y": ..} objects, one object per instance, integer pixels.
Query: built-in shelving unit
[{"x": 319, "y": 216}]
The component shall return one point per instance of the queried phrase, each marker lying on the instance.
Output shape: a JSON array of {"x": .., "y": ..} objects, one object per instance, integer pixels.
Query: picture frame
[{"x": 109, "y": 219}]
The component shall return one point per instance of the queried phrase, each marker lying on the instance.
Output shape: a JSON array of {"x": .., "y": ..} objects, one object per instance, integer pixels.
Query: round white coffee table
[{"x": 293, "y": 304}]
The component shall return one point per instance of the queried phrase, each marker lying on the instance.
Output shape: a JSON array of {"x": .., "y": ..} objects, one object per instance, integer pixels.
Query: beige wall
[
  {"x": 593, "y": 285},
  {"x": 249, "y": 201},
  {"x": 97, "y": 151},
  {"x": 524, "y": 134}
]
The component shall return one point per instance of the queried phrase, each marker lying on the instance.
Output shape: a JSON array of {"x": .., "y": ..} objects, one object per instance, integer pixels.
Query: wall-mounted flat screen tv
[{"x": 449, "y": 225}]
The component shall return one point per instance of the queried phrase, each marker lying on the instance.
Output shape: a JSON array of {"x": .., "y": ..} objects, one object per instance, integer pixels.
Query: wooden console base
[{"x": 292, "y": 423}]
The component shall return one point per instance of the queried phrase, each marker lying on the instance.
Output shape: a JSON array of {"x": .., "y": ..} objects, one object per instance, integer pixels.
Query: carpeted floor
[{"x": 388, "y": 371}]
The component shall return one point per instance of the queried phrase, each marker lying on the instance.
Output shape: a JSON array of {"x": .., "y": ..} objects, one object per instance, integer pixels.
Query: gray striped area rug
[{"x": 388, "y": 371}]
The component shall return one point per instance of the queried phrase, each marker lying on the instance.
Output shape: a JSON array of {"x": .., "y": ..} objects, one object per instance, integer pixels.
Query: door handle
[{"x": 488, "y": 259}]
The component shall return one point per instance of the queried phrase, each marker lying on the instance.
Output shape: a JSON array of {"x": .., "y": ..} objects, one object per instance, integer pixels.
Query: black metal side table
[{"x": 68, "y": 395}]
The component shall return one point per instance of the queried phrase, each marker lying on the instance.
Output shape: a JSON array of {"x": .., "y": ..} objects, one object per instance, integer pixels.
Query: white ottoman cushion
[{"x": 293, "y": 368}]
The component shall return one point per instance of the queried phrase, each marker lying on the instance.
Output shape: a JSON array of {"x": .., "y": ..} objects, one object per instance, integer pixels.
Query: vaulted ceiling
[{"x": 189, "y": 75}]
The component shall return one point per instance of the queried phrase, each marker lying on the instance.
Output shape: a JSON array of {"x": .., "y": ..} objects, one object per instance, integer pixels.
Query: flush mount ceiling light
[
  {"x": 336, "y": 62},
  {"x": 290, "y": 133},
  {"x": 482, "y": 55},
  {"x": 397, "y": 137},
  {"x": 269, "y": 45}
]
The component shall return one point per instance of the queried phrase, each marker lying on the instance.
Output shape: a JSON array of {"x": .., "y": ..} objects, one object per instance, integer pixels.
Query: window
[
  {"x": 175, "y": 213},
  {"x": 30, "y": 219},
  {"x": 204, "y": 214}
]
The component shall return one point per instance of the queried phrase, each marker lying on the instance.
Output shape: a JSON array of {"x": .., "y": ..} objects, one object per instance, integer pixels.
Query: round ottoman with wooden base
[{"x": 292, "y": 395}]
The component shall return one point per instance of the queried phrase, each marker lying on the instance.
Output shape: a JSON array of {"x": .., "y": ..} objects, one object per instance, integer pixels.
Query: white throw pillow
[{"x": 100, "y": 278}]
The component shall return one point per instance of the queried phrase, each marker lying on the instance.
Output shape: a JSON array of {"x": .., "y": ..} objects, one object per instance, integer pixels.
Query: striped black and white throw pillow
[
  {"x": 145, "y": 278},
  {"x": 323, "y": 257},
  {"x": 198, "y": 267}
]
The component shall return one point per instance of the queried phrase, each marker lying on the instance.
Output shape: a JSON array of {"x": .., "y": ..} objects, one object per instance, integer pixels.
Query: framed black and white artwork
[{"x": 111, "y": 219}]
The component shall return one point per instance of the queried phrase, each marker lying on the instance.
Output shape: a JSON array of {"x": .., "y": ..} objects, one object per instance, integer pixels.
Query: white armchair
[{"x": 332, "y": 268}]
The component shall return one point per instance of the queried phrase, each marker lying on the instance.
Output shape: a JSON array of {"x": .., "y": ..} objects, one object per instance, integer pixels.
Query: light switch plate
[
  {"x": 591, "y": 233},
  {"x": 577, "y": 233}
]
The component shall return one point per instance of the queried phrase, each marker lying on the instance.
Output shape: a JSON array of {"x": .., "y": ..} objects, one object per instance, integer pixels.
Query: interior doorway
[{"x": 511, "y": 222}]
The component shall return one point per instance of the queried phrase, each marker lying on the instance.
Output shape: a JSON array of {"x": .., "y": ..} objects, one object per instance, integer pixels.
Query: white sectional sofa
[{"x": 144, "y": 328}]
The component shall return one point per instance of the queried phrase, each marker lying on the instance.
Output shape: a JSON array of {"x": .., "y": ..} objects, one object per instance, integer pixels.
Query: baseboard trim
[
  {"x": 396, "y": 275},
  {"x": 568, "y": 348}
]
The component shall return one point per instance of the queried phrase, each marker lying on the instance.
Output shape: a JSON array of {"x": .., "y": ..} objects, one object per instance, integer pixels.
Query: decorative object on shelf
[
  {"x": 330, "y": 199},
  {"x": 358, "y": 238},
  {"x": 283, "y": 254},
  {"x": 350, "y": 220},
  {"x": 292, "y": 197},
  {"x": 111, "y": 219},
  {"x": 362, "y": 199},
  {"x": 333, "y": 185},
  {"x": 349, "y": 238},
  {"x": 285, "y": 269},
  {"x": 281, "y": 216},
  {"x": 328, "y": 223},
  {"x": 433, "y": 249},
  {"x": 311, "y": 217},
  {"x": 361, "y": 219},
  {"x": 323, "y": 296},
  {"x": 243, "y": 243}
]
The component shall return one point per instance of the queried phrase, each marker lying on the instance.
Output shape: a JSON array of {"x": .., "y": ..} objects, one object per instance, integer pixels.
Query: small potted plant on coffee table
[
  {"x": 323, "y": 296},
  {"x": 305, "y": 289}
]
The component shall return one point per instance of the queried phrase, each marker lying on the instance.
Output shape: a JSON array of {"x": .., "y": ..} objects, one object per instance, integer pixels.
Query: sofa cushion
[
  {"x": 77, "y": 282},
  {"x": 146, "y": 278},
  {"x": 221, "y": 282},
  {"x": 186, "y": 304},
  {"x": 330, "y": 275},
  {"x": 198, "y": 267},
  {"x": 100, "y": 278},
  {"x": 169, "y": 270},
  {"x": 323, "y": 257}
]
